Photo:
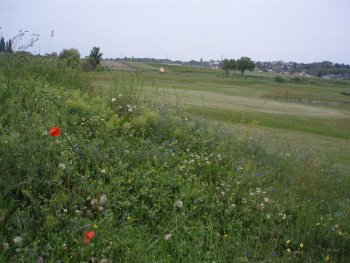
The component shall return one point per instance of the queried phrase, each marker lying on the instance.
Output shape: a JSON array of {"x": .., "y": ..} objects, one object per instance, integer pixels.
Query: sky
[{"x": 302, "y": 31}]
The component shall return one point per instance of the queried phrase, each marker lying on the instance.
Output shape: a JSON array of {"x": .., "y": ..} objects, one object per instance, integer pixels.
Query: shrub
[{"x": 279, "y": 79}]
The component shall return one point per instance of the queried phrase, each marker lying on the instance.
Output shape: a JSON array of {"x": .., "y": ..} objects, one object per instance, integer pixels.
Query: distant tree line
[
  {"x": 6, "y": 47},
  {"x": 321, "y": 69},
  {"x": 147, "y": 60},
  {"x": 71, "y": 58}
]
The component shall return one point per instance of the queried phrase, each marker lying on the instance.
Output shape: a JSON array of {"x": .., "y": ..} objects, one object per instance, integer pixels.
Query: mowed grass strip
[{"x": 241, "y": 103}]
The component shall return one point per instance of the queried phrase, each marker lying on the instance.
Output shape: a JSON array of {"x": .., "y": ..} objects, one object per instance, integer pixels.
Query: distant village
[{"x": 325, "y": 69}]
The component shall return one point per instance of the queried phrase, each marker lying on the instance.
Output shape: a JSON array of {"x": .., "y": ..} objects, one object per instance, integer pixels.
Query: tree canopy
[
  {"x": 245, "y": 63},
  {"x": 95, "y": 57},
  {"x": 228, "y": 65}
]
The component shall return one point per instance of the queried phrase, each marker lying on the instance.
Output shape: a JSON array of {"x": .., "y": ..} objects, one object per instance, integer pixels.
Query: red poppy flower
[
  {"x": 55, "y": 131},
  {"x": 88, "y": 236}
]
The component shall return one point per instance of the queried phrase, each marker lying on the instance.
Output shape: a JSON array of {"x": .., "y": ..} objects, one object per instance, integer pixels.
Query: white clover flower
[
  {"x": 120, "y": 95},
  {"x": 114, "y": 99},
  {"x": 17, "y": 239},
  {"x": 94, "y": 201},
  {"x": 62, "y": 166},
  {"x": 100, "y": 208},
  {"x": 266, "y": 200},
  {"x": 103, "y": 171},
  {"x": 233, "y": 206},
  {"x": 130, "y": 110},
  {"x": 77, "y": 211},
  {"x": 88, "y": 198},
  {"x": 128, "y": 106},
  {"x": 168, "y": 236},
  {"x": 65, "y": 211},
  {"x": 179, "y": 203},
  {"x": 103, "y": 199},
  {"x": 6, "y": 246}
]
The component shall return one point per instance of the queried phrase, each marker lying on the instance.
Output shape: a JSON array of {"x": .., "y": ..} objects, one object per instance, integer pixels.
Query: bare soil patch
[{"x": 116, "y": 65}]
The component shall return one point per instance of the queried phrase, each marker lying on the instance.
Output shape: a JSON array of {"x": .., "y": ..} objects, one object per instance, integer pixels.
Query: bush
[
  {"x": 70, "y": 57},
  {"x": 296, "y": 79},
  {"x": 279, "y": 79}
]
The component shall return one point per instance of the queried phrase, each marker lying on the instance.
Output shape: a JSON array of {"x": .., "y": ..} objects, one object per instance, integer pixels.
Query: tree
[
  {"x": 245, "y": 63},
  {"x": 95, "y": 57},
  {"x": 232, "y": 64},
  {"x": 6, "y": 47},
  {"x": 2, "y": 44},
  {"x": 9, "y": 46},
  {"x": 70, "y": 57},
  {"x": 226, "y": 66}
]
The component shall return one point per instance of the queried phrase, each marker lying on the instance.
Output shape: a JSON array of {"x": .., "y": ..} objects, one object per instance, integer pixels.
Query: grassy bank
[{"x": 130, "y": 178}]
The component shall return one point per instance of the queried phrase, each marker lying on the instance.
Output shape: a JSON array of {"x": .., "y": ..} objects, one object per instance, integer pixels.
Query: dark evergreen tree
[
  {"x": 8, "y": 48},
  {"x": 2, "y": 44}
]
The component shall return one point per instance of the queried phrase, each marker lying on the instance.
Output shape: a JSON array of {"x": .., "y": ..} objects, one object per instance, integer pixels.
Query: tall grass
[
  {"x": 153, "y": 183},
  {"x": 50, "y": 69}
]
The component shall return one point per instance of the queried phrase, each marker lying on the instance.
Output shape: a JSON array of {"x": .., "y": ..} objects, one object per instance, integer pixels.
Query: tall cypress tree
[
  {"x": 2, "y": 44},
  {"x": 9, "y": 46}
]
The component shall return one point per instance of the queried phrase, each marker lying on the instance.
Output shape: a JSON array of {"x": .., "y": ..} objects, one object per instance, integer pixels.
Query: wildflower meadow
[{"x": 105, "y": 171}]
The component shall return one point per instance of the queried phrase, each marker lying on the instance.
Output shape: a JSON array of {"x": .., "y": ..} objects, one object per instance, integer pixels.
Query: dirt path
[{"x": 115, "y": 65}]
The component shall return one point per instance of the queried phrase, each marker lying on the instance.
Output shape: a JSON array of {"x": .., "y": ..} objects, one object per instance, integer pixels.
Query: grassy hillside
[{"x": 130, "y": 178}]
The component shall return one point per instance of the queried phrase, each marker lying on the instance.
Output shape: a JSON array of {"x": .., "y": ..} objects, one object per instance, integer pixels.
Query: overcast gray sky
[{"x": 264, "y": 30}]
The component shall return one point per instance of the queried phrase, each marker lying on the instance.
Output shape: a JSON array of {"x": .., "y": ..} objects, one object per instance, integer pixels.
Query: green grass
[
  {"x": 314, "y": 106},
  {"x": 153, "y": 181}
]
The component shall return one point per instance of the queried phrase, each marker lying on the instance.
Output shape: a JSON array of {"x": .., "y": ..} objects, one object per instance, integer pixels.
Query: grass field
[
  {"x": 315, "y": 108},
  {"x": 185, "y": 166}
]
